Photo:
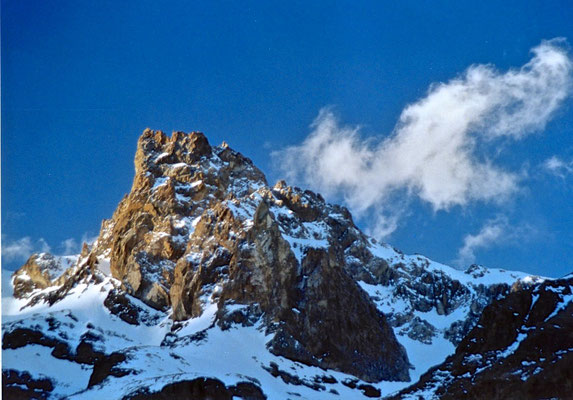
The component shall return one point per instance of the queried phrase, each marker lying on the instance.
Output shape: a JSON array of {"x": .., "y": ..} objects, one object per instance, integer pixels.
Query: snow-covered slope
[
  {"x": 208, "y": 280},
  {"x": 157, "y": 352}
]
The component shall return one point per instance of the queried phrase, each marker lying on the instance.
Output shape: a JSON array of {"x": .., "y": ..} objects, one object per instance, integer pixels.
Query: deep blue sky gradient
[{"x": 82, "y": 79}]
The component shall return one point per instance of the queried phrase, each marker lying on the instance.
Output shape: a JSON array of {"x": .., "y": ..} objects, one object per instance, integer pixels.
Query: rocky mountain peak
[
  {"x": 200, "y": 225},
  {"x": 201, "y": 236},
  {"x": 176, "y": 180},
  {"x": 155, "y": 148}
]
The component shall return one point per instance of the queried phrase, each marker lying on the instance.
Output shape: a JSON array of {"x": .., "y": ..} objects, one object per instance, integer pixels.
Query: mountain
[
  {"x": 522, "y": 347},
  {"x": 208, "y": 283}
]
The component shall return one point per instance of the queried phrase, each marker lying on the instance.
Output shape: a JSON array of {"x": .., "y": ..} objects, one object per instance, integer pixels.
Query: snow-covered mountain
[
  {"x": 522, "y": 347},
  {"x": 206, "y": 281}
]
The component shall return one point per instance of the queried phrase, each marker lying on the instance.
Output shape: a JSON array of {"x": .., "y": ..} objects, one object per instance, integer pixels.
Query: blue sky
[{"x": 81, "y": 80}]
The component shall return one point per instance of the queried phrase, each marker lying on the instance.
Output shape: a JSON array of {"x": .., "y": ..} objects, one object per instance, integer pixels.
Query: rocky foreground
[{"x": 208, "y": 283}]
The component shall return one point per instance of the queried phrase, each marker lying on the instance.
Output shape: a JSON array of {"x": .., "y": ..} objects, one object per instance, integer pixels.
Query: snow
[
  {"x": 513, "y": 347},
  {"x": 104, "y": 265},
  {"x": 186, "y": 223},
  {"x": 300, "y": 236},
  {"x": 182, "y": 199},
  {"x": 482, "y": 276},
  {"x": 55, "y": 266},
  {"x": 178, "y": 165},
  {"x": 161, "y": 157},
  {"x": 85, "y": 304},
  {"x": 159, "y": 182},
  {"x": 564, "y": 301},
  {"x": 299, "y": 245},
  {"x": 421, "y": 355},
  {"x": 161, "y": 352},
  {"x": 10, "y": 305},
  {"x": 389, "y": 303},
  {"x": 234, "y": 355},
  {"x": 473, "y": 358},
  {"x": 385, "y": 299},
  {"x": 244, "y": 210},
  {"x": 204, "y": 321},
  {"x": 442, "y": 321},
  {"x": 188, "y": 186},
  {"x": 424, "y": 356}
]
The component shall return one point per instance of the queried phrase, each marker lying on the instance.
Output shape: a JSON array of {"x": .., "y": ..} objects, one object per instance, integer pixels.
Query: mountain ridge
[{"x": 202, "y": 247}]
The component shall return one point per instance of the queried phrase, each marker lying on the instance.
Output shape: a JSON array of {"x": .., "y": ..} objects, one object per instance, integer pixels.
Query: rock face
[
  {"x": 202, "y": 389},
  {"x": 176, "y": 180},
  {"x": 199, "y": 218},
  {"x": 201, "y": 247},
  {"x": 21, "y": 386},
  {"x": 41, "y": 271},
  {"x": 521, "y": 348}
]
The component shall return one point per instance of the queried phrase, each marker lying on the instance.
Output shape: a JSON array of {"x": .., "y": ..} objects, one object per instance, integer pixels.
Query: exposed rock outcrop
[
  {"x": 202, "y": 389},
  {"x": 18, "y": 385},
  {"x": 41, "y": 271},
  {"x": 520, "y": 348},
  {"x": 200, "y": 223}
]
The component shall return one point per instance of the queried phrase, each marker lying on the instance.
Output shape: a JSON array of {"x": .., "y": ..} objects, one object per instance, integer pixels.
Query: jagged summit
[
  {"x": 201, "y": 225},
  {"x": 176, "y": 180},
  {"x": 202, "y": 249}
]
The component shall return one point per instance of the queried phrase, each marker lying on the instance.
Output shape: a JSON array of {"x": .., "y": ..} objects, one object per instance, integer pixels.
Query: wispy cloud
[
  {"x": 489, "y": 234},
  {"x": 21, "y": 249},
  {"x": 432, "y": 152},
  {"x": 558, "y": 167},
  {"x": 70, "y": 246},
  {"x": 73, "y": 246},
  {"x": 494, "y": 233}
]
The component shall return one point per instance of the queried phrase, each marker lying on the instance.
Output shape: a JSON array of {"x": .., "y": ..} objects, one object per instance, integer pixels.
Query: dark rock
[
  {"x": 201, "y": 389},
  {"x": 326, "y": 379},
  {"x": 118, "y": 304},
  {"x": 522, "y": 347},
  {"x": 21, "y": 337},
  {"x": 369, "y": 391},
  {"x": 86, "y": 354},
  {"x": 106, "y": 366},
  {"x": 420, "y": 330},
  {"x": 62, "y": 351},
  {"x": 351, "y": 383},
  {"x": 291, "y": 379},
  {"x": 18, "y": 385},
  {"x": 247, "y": 391},
  {"x": 340, "y": 329}
]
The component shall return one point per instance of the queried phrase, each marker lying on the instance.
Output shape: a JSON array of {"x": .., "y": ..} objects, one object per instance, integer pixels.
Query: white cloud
[
  {"x": 490, "y": 234},
  {"x": 494, "y": 233},
  {"x": 558, "y": 167},
  {"x": 89, "y": 239},
  {"x": 21, "y": 249},
  {"x": 70, "y": 246},
  {"x": 432, "y": 152}
]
